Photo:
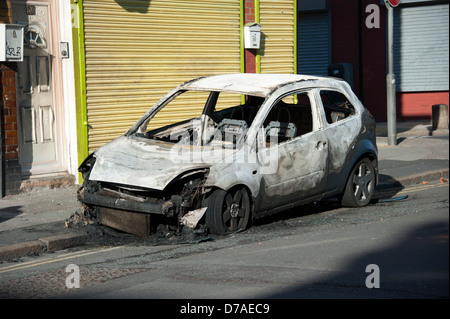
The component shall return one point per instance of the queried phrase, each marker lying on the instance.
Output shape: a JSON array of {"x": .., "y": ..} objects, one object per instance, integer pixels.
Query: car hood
[{"x": 147, "y": 163}]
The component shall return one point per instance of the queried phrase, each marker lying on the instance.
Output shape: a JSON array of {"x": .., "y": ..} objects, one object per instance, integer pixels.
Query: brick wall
[
  {"x": 250, "y": 55},
  {"x": 418, "y": 105},
  {"x": 10, "y": 138},
  {"x": 249, "y": 11},
  {"x": 11, "y": 173}
]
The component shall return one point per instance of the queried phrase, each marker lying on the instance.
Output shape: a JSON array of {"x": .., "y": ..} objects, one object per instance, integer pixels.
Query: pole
[{"x": 390, "y": 81}]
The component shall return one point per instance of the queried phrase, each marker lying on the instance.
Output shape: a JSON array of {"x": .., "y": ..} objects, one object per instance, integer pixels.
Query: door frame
[
  {"x": 315, "y": 142},
  {"x": 61, "y": 162}
]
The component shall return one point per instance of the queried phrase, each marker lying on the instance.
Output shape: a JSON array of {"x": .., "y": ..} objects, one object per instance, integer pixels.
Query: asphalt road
[{"x": 319, "y": 251}]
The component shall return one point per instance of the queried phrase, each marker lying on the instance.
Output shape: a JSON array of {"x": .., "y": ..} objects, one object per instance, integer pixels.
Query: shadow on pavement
[
  {"x": 386, "y": 192},
  {"x": 9, "y": 212},
  {"x": 414, "y": 267}
]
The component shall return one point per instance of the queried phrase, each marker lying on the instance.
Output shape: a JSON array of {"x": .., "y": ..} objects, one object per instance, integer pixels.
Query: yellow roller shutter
[
  {"x": 277, "y": 19},
  {"x": 137, "y": 51}
]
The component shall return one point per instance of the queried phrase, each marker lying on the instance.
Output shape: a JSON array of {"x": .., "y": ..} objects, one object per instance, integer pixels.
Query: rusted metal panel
[
  {"x": 130, "y": 222},
  {"x": 154, "y": 207}
]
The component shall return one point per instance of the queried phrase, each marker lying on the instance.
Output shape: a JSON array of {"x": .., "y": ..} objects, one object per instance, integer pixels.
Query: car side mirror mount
[{"x": 261, "y": 139}]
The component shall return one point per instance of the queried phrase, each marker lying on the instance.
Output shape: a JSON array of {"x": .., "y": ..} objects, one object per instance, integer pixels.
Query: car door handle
[{"x": 321, "y": 145}]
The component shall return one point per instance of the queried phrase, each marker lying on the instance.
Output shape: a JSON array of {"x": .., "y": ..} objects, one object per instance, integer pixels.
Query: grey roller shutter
[
  {"x": 313, "y": 43},
  {"x": 421, "y": 48}
]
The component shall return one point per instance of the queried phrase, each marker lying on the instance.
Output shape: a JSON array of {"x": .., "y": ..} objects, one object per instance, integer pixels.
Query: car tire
[
  {"x": 360, "y": 185},
  {"x": 228, "y": 212}
]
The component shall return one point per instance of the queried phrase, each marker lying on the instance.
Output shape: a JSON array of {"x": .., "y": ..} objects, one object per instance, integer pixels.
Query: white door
[{"x": 37, "y": 113}]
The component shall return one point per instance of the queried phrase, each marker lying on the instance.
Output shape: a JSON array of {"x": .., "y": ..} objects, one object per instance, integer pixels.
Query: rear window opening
[{"x": 336, "y": 106}]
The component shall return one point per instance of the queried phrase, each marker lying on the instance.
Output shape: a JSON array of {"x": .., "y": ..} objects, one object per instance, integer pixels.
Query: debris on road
[
  {"x": 193, "y": 217},
  {"x": 386, "y": 200},
  {"x": 75, "y": 220}
]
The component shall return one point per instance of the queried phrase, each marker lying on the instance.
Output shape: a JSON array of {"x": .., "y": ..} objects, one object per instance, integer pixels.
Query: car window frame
[
  {"x": 315, "y": 113},
  {"x": 322, "y": 107}
]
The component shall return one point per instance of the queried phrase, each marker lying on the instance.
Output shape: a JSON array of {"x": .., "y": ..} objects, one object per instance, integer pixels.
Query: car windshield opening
[{"x": 203, "y": 118}]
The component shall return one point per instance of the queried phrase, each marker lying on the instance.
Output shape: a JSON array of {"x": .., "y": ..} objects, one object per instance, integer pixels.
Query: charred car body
[{"x": 259, "y": 143}]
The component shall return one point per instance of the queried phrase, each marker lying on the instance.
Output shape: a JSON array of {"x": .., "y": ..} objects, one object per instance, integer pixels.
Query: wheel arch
[
  {"x": 232, "y": 187},
  {"x": 373, "y": 158},
  {"x": 363, "y": 193},
  {"x": 365, "y": 147}
]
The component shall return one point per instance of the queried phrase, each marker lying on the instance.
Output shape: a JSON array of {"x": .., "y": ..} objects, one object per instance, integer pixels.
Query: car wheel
[
  {"x": 228, "y": 211},
  {"x": 360, "y": 185}
]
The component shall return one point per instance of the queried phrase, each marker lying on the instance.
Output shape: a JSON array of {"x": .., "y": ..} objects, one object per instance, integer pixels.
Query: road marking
[
  {"x": 421, "y": 188},
  {"x": 34, "y": 261},
  {"x": 413, "y": 189},
  {"x": 52, "y": 260}
]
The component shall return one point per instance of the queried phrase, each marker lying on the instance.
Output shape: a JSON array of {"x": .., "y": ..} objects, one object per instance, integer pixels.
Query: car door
[
  {"x": 292, "y": 167},
  {"x": 342, "y": 124}
]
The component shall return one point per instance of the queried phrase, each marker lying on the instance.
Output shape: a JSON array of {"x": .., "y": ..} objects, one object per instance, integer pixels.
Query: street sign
[{"x": 394, "y": 3}]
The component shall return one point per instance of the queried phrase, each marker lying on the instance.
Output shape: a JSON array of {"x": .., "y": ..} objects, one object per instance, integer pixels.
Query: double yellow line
[
  {"x": 413, "y": 189},
  {"x": 421, "y": 188},
  {"x": 72, "y": 255}
]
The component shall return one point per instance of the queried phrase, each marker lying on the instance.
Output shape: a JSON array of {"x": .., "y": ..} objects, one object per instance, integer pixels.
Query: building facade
[
  {"x": 91, "y": 68},
  {"x": 355, "y": 33},
  {"x": 38, "y": 101},
  {"x": 132, "y": 53}
]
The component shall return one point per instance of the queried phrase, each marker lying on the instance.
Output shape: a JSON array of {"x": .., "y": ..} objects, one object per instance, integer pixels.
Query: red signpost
[{"x": 394, "y": 3}]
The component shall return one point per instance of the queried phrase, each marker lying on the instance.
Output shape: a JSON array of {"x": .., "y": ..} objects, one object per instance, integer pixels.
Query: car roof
[{"x": 251, "y": 83}]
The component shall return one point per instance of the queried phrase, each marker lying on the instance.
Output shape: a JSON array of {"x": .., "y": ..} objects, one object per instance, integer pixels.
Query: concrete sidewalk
[
  {"x": 421, "y": 155},
  {"x": 32, "y": 222}
]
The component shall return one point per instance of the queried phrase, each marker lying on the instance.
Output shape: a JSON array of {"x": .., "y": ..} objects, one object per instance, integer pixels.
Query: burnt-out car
[{"x": 241, "y": 145}]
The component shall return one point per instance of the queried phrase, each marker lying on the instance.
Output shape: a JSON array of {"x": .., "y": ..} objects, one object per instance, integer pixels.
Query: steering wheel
[{"x": 283, "y": 108}]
